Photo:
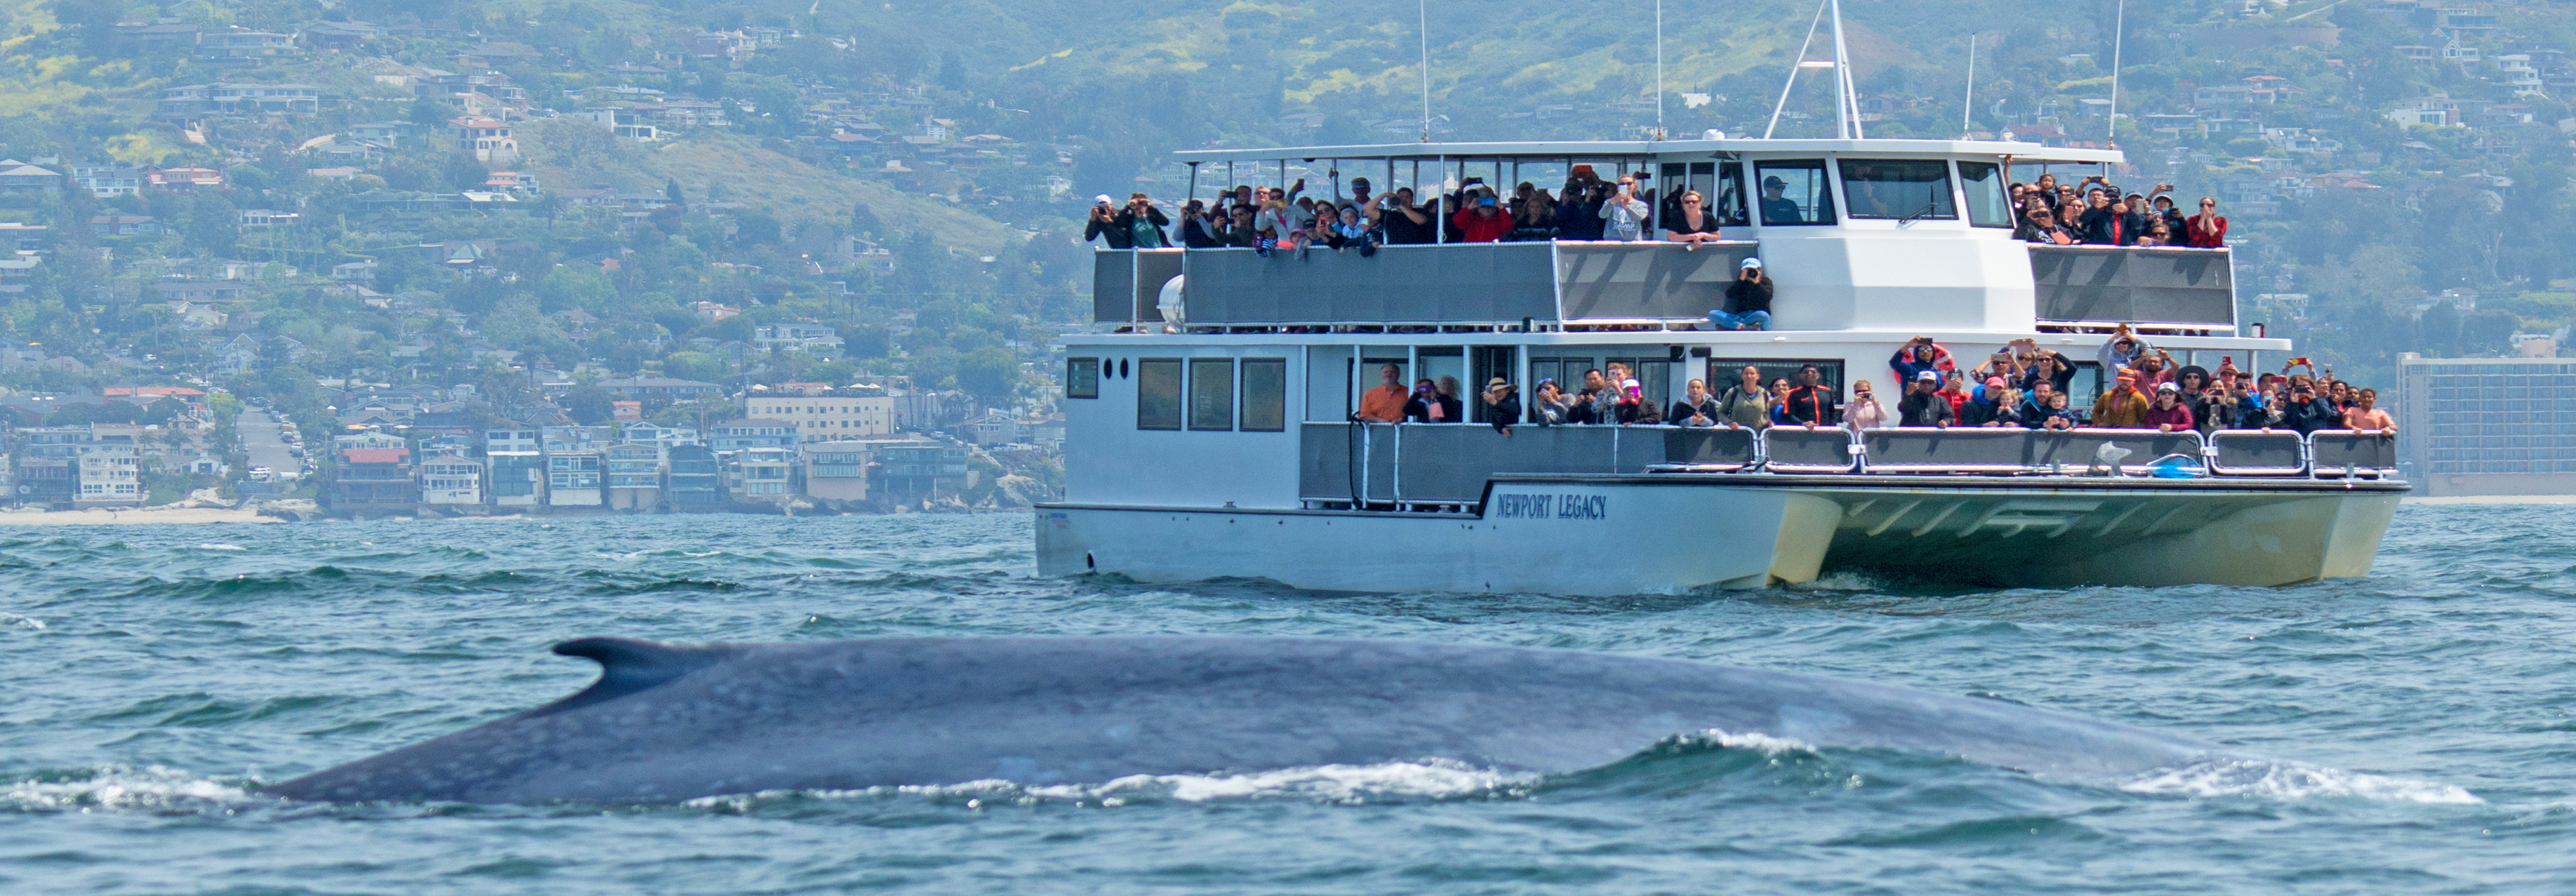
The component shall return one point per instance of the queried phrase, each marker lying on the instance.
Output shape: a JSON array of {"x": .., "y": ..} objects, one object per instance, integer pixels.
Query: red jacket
[{"x": 1473, "y": 229}]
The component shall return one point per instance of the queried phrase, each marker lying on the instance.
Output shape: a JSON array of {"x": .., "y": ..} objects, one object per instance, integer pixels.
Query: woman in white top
[{"x": 1864, "y": 411}]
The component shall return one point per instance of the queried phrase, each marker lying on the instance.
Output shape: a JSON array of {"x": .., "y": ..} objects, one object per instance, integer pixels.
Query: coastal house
[
  {"x": 760, "y": 476},
  {"x": 634, "y": 477},
  {"x": 109, "y": 476},
  {"x": 692, "y": 480},
  {"x": 368, "y": 481},
  {"x": 518, "y": 478},
  {"x": 451, "y": 482}
]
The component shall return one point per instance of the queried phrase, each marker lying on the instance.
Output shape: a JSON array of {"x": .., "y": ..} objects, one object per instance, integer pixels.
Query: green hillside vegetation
[{"x": 954, "y": 146}]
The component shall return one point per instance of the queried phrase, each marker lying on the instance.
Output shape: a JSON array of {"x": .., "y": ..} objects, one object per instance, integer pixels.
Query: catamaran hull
[{"x": 1674, "y": 534}]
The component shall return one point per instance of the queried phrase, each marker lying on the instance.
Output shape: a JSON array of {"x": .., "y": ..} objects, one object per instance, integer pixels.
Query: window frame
[
  {"x": 1178, "y": 399},
  {"x": 1948, "y": 192},
  {"x": 1244, "y": 399},
  {"x": 1074, "y": 371},
  {"x": 1195, "y": 413},
  {"x": 1822, "y": 168},
  {"x": 2002, "y": 194}
]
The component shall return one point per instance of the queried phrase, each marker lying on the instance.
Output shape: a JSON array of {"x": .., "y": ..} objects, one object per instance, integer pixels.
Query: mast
[
  {"x": 1423, "y": 29},
  {"x": 1968, "y": 105},
  {"x": 2119, "y": 26},
  {"x": 1794, "y": 66},
  {"x": 1847, "y": 115},
  {"x": 1659, "y": 69}
]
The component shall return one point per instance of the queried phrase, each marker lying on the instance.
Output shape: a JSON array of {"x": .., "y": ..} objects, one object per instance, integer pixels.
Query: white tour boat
[{"x": 1210, "y": 418}]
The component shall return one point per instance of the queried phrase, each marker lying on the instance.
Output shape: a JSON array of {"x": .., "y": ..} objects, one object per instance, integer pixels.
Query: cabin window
[
  {"x": 1265, "y": 394},
  {"x": 1158, "y": 393},
  {"x": 1721, "y": 184},
  {"x": 1445, "y": 366},
  {"x": 1490, "y": 362},
  {"x": 1082, "y": 378},
  {"x": 1981, "y": 186},
  {"x": 1898, "y": 188},
  {"x": 1212, "y": 393},
  {"x": 1794, "y": 192},
  {"x": 1330, "y": 395}
]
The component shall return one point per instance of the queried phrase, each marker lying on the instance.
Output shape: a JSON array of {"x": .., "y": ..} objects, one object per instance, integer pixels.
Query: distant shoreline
[{"x": 104, "y": 517}]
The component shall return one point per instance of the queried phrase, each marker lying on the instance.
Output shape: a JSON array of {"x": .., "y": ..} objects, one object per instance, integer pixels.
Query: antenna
[
  {"x": 1968, "y": 106},
  {"x": 2119, "y": 27},
  {"x": 1659, "y": 69},
  {"x": 1425, "y": 30}
]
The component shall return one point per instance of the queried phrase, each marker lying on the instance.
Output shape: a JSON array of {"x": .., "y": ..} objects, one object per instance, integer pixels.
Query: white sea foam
[
  {"x": 2292, "y": 781},
  {"x": 28, "y": 623},
  {"x": 120, "y": 788},
  {"x": 1766, "y": 744},
  {"x": 218, "y": 546},
  {"x": 1326, "y": 783}
]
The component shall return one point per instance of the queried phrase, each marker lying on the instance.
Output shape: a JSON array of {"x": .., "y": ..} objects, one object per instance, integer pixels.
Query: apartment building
[{"x": 825, "y": 418}]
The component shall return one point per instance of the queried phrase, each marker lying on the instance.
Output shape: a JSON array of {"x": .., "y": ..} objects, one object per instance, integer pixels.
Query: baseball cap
[
  {"x": 1102, "y": 199},
  {"x": 1928, "y": 376},
  {"x": 1994, "y": 382},
  {"x": 2168, "y": 387},
  {"x": 1750, "y": 263},
  {"x": 1628, "y": 384}
]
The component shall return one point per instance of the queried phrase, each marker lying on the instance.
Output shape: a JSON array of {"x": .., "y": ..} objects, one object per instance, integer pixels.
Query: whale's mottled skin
[{"x": 670, "y": 722}]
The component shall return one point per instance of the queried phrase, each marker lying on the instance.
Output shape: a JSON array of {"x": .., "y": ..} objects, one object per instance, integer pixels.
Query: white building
[
  {"x": 110, "y": 476},
  {"x": 451, "y": 480},
  {"x": 827, "y": 419}
]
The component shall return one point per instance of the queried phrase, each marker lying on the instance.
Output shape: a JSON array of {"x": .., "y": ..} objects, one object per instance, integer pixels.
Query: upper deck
[{"x": 1857, "y": 234}]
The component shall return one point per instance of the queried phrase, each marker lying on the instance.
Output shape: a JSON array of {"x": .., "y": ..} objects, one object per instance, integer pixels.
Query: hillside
[{"x": 936, "y": 138}]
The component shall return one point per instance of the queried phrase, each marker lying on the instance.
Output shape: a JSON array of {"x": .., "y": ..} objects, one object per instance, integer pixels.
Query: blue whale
[{"x": 668, "y": 723}]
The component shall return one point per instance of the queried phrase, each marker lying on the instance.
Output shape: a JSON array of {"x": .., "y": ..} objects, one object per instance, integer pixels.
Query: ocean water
[{"x": 2418, "y": 721}]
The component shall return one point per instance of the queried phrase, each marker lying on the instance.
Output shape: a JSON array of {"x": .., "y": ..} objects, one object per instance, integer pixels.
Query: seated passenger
[
  {"x": 1502, "y": 405},
  {"x": 2058, "y": 415},
  {"x": 2366, "y": 417},
  {"x": 1695, "y": 408},
  {"x": 1923, "y": 404},
  {"x": 1429, "y": 406},
  {"x": 1748, "y": 300},
  {"x": 1694, "y": 224},
  {"x": 1864, "y": 411},
  {"x": 2169, "y": 414},
  {"x": 1384, "y": 404}
]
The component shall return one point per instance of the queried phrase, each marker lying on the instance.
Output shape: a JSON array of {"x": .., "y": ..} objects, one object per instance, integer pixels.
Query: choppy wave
[{"x": 2281, "y": 780}]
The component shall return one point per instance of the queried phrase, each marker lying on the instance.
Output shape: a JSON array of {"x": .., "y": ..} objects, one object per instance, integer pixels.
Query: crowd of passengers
[
  {"x": 1590, "y": 207},
  {"x": 2095, "y": 212},
  {"x": 2021, "y": 386},
  {"x": 1587, "y": 207}
]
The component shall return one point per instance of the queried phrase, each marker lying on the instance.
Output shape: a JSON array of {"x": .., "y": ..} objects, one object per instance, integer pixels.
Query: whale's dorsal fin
[{"x": 628, "y": 666}]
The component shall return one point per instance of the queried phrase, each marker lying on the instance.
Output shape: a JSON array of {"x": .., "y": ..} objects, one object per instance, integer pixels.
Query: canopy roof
[{"x": 1595, "y": 149}]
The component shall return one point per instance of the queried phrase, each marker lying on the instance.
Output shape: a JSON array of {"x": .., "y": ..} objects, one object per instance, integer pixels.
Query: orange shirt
[{"x": 1384, "y": 404}]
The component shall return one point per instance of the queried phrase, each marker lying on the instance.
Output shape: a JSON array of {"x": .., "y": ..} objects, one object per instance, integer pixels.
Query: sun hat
[{"x": 1498, "y": 383}]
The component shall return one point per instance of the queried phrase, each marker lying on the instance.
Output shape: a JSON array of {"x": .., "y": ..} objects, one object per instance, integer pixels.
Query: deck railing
[
  {"x": 1593, "y": 282},
  {"x": 1412, "y": 466}
]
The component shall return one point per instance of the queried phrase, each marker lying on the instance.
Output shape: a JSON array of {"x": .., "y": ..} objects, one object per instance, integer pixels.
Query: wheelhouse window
[
  {"x": 1898, "y": 188},
  {"x": 1794, "y": 192},
  {"x": 1212, "y": 393},
  {"x": 1082, "y": 377},
  {"x": 1981, "y": 185},
  {"x": 1265, "y": 394},
  {"x": 1158, "y": 393}
]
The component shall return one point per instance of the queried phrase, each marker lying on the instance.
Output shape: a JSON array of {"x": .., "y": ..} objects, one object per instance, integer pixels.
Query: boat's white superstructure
[{"x": 1209, "y": 422}]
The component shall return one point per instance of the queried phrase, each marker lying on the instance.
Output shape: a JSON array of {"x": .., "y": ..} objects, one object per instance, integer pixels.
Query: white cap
[
  {"x": 1102, "y": 199},
  {"x": 1751, "y": 263}
]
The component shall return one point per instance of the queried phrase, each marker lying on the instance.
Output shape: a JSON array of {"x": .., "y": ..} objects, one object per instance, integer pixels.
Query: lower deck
[{"x": 1669, "y": 533}]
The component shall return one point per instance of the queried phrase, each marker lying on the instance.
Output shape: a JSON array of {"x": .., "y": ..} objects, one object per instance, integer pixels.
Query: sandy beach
[{"x": 101, "y": 517}]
